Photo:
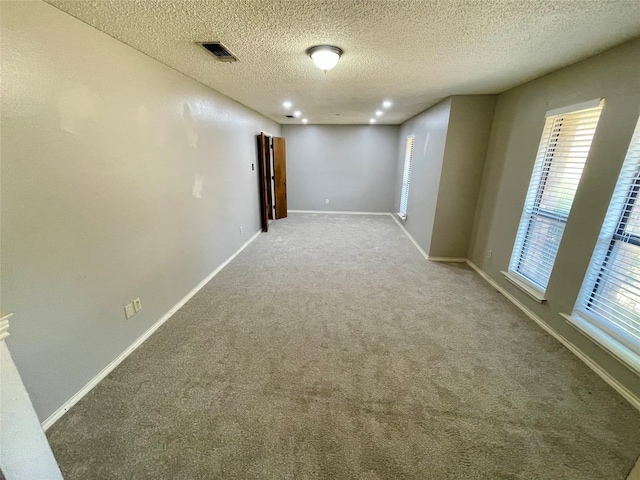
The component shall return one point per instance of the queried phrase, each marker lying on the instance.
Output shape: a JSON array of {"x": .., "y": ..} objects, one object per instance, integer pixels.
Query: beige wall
[
  {"x": 120, "y": 178},
  {"x": 519, "y": 119},
  {"x": 465, "y": 150}
]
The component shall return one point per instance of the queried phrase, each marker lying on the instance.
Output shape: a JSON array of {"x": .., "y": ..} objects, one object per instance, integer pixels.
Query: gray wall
[
  {"x": 25, "y": 451},
  {"x": 354, "y": 166},
  {"x": 430, "y": 129},
  {"x": 519, "y": 119},
  {"x": 465, "y": 151},
  {"x": 120, "y": 178}
]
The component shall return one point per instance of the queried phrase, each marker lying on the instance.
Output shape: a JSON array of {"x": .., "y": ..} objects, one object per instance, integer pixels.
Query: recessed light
[
  {"x": 373, "y": 120},
  {"x": 297, "y": 113},
  {"x": 304, "y": 120},
  {"x": 387, "y": 103},
  {"x": 286, "y": 105},
  {"x": 378, "y": 113}
]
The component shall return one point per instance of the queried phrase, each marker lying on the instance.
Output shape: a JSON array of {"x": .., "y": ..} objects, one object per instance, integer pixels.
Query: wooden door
[
  {"x": 263, "y": 171},
  {"x": 280, "y": 173}
]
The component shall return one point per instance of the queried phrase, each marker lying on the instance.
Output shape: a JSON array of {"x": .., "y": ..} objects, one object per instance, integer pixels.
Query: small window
[
  {"x": 610, "y": 294},
  {"x": 564, "y": 147},
  {"x": 406, "y": 177}
]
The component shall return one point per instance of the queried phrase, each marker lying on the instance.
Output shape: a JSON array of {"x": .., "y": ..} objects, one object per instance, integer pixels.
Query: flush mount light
[
  {"x": 387, "y": 103},
  {"x": 304, "y": 120},
  {"x": 297, "y": 113},
  {"x": 373, "y": 120},
  {"x": 325, "y": 56},
  {"x": 286, "y": 105},
  {"x": 378, "y": 113}
]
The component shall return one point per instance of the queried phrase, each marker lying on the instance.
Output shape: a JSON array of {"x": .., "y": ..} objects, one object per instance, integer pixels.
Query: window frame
[
  {"x": 585, "y": 316},
  {"x": 534, "y": 212},
  {"x": 406, "y": 177}
]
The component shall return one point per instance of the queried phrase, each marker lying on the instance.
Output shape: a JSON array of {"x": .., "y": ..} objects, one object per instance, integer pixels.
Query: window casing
[
  {"x": 610, "y": 295},
  {"x": 406, "y": 177},
  {"x": 564, "y": 147}
]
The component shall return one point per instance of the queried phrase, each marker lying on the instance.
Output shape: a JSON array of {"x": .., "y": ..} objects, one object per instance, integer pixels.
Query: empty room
[{"x": 319, "y": 239}]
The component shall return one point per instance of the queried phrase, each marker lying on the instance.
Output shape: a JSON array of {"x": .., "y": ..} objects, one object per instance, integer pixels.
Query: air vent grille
[{"x": 219, "y": 51}]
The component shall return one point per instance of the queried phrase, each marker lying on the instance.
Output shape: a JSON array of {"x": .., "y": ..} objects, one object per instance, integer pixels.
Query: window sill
[
  {"x": 536, "y": 294},
  {"x": 627, "y": 356}
]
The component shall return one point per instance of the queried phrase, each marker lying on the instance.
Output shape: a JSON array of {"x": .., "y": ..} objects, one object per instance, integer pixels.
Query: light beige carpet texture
[{"x": 331, "y": 349}]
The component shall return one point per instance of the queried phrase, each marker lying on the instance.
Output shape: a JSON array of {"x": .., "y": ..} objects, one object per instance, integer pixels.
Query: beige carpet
[{"x": 330, "y": 348}]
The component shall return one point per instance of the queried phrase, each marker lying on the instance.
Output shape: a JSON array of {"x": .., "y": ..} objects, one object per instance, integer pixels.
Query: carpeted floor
[{"x": 330, "y": 348}]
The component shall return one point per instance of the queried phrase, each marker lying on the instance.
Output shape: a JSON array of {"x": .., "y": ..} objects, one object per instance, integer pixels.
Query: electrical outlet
[
  {"x": 240, "y": 229},
  {"x": 129, "y": 311},
  {"x": 137, "y": 304},
  {"x": 489, "y": 253},
  {"x": 326, "y": 200}
]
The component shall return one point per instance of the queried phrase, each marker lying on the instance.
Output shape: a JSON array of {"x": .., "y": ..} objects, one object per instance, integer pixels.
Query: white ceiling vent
[{"x": 219, "y": 51}]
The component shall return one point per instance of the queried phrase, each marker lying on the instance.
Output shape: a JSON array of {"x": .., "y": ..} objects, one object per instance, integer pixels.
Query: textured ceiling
[{"x": 412, "y": 52}]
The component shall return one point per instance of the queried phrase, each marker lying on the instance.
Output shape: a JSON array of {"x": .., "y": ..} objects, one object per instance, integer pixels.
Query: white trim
[
  {"x": 4, "y": 324},
  {"x": 55, "y": 416},
  {"x": 424, "y": 254},
  {"x": 522, "y": 284},
  {"x": 614, "y": 347},
  {"x": 338, "y": 212},
  {"x": 267, "y": 134},
  {"x": 615, "y": 384},
  {"x": 574, "y": 108},
  {"x": 634, "y": 474},
  {"x": 413, "y": 240},
  {"x": 447, "y": 259}
]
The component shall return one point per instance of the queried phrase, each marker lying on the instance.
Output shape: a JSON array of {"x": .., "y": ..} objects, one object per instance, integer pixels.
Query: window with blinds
[
  {"x": 610, "y": 294},
  {"x": 406, "y": 177},
  {"x": 563, "y": 151}
]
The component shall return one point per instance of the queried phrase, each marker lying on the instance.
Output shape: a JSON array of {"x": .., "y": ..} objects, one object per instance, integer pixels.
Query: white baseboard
[
  {"x": 634, "y": 474},
  {"x": 447, "y": 259},
  {"x": 424, "y": 254},
  {"x": 615, "y": 384},
  {"x": 118, "y": 360},
  {"x": 338, "y": 212},
  {"x": 413, "y": 240}
]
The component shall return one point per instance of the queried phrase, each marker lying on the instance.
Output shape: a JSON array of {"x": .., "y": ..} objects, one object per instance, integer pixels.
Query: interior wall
[
  {"x": 519, "y": 118},
  {"x": 121, "y": 178},
  {"x": 353, "y": 166},
  {"x": 465, "y": 151},
  {"x": 430, "y": 130},
  {"x": 25, "y": 451}
]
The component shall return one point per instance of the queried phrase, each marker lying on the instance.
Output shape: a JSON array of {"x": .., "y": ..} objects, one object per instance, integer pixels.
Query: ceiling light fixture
[
  {"x": 378, "y": 113},
  {"x": 387, "y": 103},
  {"x": 325, "y": 56},
  {"x": 297, "y": 113},
  {"x": 304, "y": 120},
  {"x": 286, "y": 105},
  {"x": 373, "y": 120}
]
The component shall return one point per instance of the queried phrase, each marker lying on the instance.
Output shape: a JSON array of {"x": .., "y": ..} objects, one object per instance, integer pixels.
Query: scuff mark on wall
[
  {"x": 426, "y": 143},
  {"x": 189, "y": 126},
  {"x": 77, "y": 105},
  {"x": 198, "y": 182}
]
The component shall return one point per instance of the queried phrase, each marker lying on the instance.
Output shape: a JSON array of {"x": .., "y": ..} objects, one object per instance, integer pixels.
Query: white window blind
[
  {"x": 406, "y": 177},
  {"x": 563, "y": 151},
  {"x": 610, "y": 294}
]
